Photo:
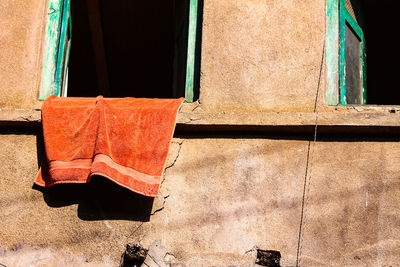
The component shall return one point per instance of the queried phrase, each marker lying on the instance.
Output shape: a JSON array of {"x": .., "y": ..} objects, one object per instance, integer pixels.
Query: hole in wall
[
  {"x": 270, "y": 258},
  {"x": 133, "y": 256}
]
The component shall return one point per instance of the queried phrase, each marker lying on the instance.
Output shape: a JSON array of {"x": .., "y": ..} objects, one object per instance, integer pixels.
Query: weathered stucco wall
[
  {"x": 220, "y": 198},
  {"x": 256, "y": 55},
  {"x": 22, "y": 25},
  {"x": 65, "y": 224},
  {"x": 261, "y": 55}
]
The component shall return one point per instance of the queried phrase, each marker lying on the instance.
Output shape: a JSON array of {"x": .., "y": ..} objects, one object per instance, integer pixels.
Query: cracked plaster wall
[
  {"x": 256, "y": 55},
  {"x": 219, "y": 199}
]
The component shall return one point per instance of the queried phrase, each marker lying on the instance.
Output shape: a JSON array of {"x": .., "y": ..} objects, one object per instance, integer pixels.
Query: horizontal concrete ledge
[
  {"x": 190, "y": 120},
  {"x": 20, "y": 117},
  {"x": 291, "y": 119}
]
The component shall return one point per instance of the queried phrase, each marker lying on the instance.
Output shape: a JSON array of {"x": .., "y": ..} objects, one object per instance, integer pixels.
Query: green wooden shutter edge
[
  {"x": 59, "y": 74},
  {"x": 190, "y": 65},
  {"x": 332, "y": 54},
  {"x": 52, "y": 35},
  {"x": 345, "y": 17},
  {"x": 337, "y": 15},
  {"x": 342, "y": 57},
  {"x": 357, "y": 29}
]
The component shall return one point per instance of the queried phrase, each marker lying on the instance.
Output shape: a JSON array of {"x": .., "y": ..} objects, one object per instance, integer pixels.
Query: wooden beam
[{"x": 99, "y": 51}]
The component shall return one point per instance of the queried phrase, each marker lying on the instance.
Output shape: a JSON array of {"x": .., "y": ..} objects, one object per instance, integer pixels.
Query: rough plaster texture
[
  {"x": 225, "y": 197},
  {"x": 353, "y": 212},
  {"x": 261, "y": 55},
  {"x": 220, "y": 198},
  {"x": 66, "y": 223},
  {"x": 22, "y": 24},
  {"x": 256, "y": 55},
  {"x": 345, "y": 116}
]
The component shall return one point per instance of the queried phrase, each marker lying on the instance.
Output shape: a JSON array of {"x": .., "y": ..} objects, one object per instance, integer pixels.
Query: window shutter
[
  {"x": 61, "y": 79},
  {"x": 352, "y": 53}
]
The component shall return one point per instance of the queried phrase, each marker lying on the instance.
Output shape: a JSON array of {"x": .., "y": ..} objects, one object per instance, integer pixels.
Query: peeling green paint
[
  {"x": 345, "y": 17},
  {"x": 337, "y": 16},
  {"x": 57, "y": 48},
  {"x": 332, "y": 55},
  {"x": 190, "y": 65},
  {"x": 342, "y": 54},
  {"x": 53, "y": 27},
  {"x": 63, "y": 49}
]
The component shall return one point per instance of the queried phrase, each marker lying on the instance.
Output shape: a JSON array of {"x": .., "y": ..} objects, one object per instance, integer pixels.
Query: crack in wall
[
  {"x": 158, "y": 209},
  {"x": 159, "y": 256},
  {"x": 159, "y": 203},
  {"x": 198, "y": 105},
  {"x": 176, "y": 158},
  {"x": 253, "y": 249},
  {"x": 191, "y": 120},
  {"x": 134, "y": 231},
  {"x": 154, "y": 260}
]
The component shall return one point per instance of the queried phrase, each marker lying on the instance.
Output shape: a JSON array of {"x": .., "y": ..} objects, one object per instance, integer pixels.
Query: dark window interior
[
  {"x": 353, "y": 66},
  {"x": 128, "y": 48},
  {"x": 378, "y": 21},
  {"x": 381, "y": 29}
]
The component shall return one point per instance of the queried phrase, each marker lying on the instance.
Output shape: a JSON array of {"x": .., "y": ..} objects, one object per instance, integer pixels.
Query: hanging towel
[{"x": 123, "y": 139}]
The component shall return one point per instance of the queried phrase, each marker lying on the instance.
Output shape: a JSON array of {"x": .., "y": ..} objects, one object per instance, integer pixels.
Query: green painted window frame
[
  {"x": 56, "y": 52},
  {"x": 57, "y": 48},
  {"x": 337, "y": 18},
  {"x": 191, "y": 50}
]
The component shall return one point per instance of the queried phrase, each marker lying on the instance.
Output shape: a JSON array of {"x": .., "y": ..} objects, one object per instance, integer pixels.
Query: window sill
[
  {"x": 192, "y": 118},
  {"x": 20, "y": 117}
]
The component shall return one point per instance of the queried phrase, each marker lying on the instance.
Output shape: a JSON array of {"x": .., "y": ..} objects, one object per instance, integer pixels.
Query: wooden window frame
[
  {"x": 56, "y": 52},
  {"x": 337, "y": 18}
]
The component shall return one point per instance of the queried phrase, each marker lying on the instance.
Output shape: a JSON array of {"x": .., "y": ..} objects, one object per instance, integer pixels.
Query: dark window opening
[
  {"x": 125, "y": 48},
  {"x": 377, "y": 21},
  {"x": 381, "y": 25},
  {"x": 353, "y": 67}
]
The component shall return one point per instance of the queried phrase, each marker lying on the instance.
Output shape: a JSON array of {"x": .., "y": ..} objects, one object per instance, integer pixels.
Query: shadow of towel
[{"x": 101, "y": 199}]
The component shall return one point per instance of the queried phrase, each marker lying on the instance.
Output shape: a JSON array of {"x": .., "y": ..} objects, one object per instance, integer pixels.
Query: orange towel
[{"x": 123, "y": 139}]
